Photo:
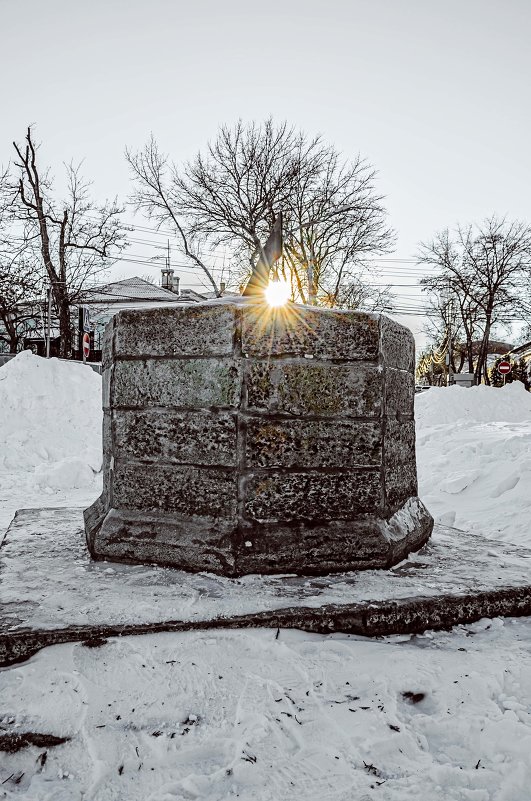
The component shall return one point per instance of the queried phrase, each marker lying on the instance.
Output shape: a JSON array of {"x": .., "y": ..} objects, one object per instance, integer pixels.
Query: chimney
[
  {"x": 169, "y": 281},
  {"x": 222, "y": 288},
  {"x": 167, "y": 278}
]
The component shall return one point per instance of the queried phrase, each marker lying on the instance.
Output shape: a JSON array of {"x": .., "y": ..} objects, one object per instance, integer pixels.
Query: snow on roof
[
  {"x": 129, "y": 289},
  {"x": 227, "y": 293},
  {"x": 521, "y": 350},
  {"x": 191, "y": 293}
]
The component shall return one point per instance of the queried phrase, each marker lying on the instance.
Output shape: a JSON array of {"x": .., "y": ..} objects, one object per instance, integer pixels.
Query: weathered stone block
[
  {"x": 107, "y": 353},
  {"x": 336, "y": 545},
  {"x": 281, "y": 497},
  {"x": 200, "y": 543},
  {"x": 312, "y": 443},
  {"x": 106, "y": 378},
  {"x": 189, "y": 491},
  {"x": 314, "y": 389},
  {"x": 397, "y": 345},
  {"x": 400, "y": 471},
  {"x": 237, "y": 439},
  {"x": 107, "y": 434},
  {"x": 192, "y": 383},
  {"x": 399, "y": 392},
  {"x": 199, "y": 437},
  {"x": 194, "y": 330},
  {"x": 334, "y": 335},
  {"x": 328, "y": 547}
]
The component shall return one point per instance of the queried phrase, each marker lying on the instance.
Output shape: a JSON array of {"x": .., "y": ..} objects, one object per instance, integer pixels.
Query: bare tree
[
  {"x": 487, "y": 268},
  {"x": 454, "y": 318},
  {"x": 75, "y": 238},
  {"x": 18, "y": 291},
  {"x": 156, "y": 195},
  {"x": 232, "y": 194},
  {"x": 19, "y": 280},
  {"x": 335, "y": 220},
  {"x": 525, "y": 334},
  {"x": 359, "y": 294}
]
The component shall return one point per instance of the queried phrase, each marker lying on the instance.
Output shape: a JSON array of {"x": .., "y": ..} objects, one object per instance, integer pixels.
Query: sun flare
[{"x": 277, "y": 293}]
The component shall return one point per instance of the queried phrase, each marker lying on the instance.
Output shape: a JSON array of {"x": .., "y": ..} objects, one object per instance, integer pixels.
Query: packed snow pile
[
  {"x": 450, "y": 405},
  {"x": 50, "y": 423},
  {"x": 474, "y": 459}
]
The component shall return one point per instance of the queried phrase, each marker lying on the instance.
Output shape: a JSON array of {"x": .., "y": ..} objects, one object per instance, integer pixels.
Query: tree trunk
[
  {"x": 11, "y": 331},
  {"x": 481, "y": 365},
  {"x": 470, "y": 355},
  {"x": 64, "y": 327}
]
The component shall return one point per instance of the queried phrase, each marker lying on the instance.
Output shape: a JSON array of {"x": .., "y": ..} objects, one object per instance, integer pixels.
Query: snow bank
[
  {"x": 447, "y": 405},
  {"x": 50, "y": 424},
  {"x": 474, "y": 459}
]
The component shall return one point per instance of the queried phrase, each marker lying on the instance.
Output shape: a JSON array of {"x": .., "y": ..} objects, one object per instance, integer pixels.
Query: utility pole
[{"x": 48, "y": 323}]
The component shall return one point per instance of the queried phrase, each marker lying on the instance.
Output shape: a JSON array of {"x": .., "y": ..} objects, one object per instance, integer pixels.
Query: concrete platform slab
[{"x": 51, "y": 591}]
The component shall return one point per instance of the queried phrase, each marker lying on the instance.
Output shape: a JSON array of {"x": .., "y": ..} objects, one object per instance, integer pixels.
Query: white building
[{"x": 105, "y": 301}]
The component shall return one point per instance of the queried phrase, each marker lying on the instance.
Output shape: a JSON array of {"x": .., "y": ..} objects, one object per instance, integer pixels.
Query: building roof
[
  {"x": 495, "y": 347},
  {"x": 521, "y": 350},
  {"x": 130, "y": 289},
  {"x": 227, "y": 293},
  {"x": 191, "y": 294}
]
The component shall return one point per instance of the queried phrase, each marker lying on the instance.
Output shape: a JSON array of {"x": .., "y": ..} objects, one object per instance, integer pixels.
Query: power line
[
  {"x": 174, "y": 234},
  {"x": 152, "y": 262}
]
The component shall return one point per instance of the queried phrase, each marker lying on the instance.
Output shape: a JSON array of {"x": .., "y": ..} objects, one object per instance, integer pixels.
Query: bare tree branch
[
  {"x": 231, "y": 195},
  {"x": 486, "y": 268},
  {"x": 77, "y": 239}
]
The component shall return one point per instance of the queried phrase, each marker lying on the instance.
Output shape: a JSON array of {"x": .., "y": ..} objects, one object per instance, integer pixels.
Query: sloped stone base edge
[
  {"x": 159, "y": 538},
  {"x": 371, "y": 619},
  {"x": 199, "y": 544}
]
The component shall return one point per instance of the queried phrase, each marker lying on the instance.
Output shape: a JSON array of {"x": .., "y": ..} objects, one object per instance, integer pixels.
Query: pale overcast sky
[{"x": 433, "y": 94}]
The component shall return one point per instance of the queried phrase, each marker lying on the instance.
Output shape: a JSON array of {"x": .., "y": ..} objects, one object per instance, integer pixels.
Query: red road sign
[
  {"x": 86, "y": 345},
  {"x": 504, "y": 368}
]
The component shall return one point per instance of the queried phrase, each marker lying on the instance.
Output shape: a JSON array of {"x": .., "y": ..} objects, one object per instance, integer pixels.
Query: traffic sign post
[
  {"x": 86, "y": 346},
  {"x": 86, "y": 319},
  {"x": 504, "y": 368},
  {"x": 84, "y": 331}
]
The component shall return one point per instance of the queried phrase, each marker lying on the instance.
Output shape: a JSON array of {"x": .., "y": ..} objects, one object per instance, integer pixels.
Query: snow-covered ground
[
  {"x": 249, "y": 715},
  {"x": 228, "y": 715},
  {"x": 474, "y": 459},
  {"x": 50, "y": 434}
]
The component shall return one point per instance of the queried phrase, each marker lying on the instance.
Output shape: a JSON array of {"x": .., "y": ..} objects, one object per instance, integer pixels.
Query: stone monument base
[
  {"x": 151, "y": 537},
  {"x": 243, "y": 439},
  {"x": 53, "y": 592}
]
